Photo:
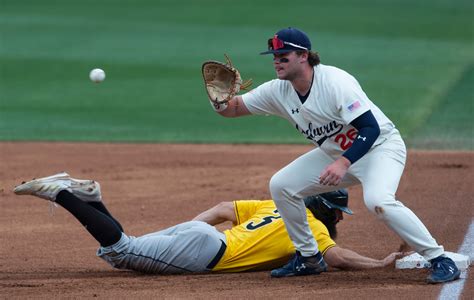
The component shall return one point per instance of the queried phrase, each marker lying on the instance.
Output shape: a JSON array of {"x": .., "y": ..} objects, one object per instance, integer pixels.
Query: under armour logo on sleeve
[{"x": 361, "y": 138}]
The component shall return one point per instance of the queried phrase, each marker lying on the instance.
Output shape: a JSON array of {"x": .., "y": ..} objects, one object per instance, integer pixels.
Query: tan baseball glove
[{"x": 222, "y": 80}]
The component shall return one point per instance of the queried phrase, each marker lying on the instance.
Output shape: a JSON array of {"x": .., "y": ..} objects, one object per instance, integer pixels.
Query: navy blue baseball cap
[{"x": 287, "y": 40}]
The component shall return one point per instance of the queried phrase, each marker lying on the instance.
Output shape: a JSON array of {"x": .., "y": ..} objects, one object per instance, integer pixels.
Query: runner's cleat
[
  {"x": 300, "y": 265},
  {"x": 49, "y": 187}
]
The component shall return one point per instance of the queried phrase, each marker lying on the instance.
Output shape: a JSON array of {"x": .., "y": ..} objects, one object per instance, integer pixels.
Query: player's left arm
[
  {"x": 341, "y": 258},
  {"x": 222, "y": 212},
  {"x": 368, "y": 132}
]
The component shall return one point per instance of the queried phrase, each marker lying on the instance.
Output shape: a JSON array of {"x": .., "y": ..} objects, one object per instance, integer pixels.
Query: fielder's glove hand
[{"x": 222, "y": 81}]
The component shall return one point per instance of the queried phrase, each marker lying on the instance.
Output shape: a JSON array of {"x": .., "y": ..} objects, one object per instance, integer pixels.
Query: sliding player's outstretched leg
[{"x": 82, "y": 198}]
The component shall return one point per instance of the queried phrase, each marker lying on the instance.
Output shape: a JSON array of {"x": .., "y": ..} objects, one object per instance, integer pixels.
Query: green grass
[
  {"x": 407, "y": 55},
  {"x": 450, "y": 126}
]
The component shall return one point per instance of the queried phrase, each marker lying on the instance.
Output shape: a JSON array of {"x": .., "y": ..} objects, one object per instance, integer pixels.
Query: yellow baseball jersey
[{"x": 259, "y": 240}]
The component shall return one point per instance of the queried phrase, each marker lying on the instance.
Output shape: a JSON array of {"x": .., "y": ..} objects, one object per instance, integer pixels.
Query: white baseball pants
[{"x": 378, "y": 171}]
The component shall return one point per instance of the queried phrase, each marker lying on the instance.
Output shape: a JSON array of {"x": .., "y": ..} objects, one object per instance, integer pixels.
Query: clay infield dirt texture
[
  {"x": 151, "y": 186},
  {"x": 414, "y": 59}
]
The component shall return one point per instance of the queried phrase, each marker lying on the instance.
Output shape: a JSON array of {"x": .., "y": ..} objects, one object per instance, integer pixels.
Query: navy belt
[{"x": 218, "y": 256}]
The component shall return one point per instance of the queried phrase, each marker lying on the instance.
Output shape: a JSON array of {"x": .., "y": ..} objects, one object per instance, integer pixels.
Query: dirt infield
[{"x": 152, "y": 186}]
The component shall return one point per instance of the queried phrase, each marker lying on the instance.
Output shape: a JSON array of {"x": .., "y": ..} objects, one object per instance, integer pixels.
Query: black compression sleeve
[
  {"x": 369, "y": 130},
  {"x": 101, "y": 207},
  {"x": 103, "y": 228}
]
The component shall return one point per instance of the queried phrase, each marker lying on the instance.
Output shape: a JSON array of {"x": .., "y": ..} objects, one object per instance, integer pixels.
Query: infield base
[{"x": 417, "y": 261}]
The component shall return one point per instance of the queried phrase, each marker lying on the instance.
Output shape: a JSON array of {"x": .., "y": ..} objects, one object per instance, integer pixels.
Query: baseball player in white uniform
[{"x": 356, "y": 144}]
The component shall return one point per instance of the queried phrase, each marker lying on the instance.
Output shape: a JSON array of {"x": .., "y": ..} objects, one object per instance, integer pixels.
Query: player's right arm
[
  {"x": 235, "y": 108},
  {"x": 341, "y": 258},
  {"x": 260, "y": 101}
]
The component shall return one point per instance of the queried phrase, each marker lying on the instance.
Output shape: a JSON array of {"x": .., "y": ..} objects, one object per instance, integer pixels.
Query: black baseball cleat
[
  {"x": 443, "y": 269},
  {"x": 300, "y": 266}
]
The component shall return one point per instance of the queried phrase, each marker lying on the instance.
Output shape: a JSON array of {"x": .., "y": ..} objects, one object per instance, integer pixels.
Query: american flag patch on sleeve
[{"x": 354, "y": 106}]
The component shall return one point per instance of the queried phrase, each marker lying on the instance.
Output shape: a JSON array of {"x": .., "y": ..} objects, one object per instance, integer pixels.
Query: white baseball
[{"x": 97, "y": 75}]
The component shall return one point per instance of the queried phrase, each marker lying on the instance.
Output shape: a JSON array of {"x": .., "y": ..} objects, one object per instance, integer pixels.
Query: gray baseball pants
[{"x": 188, "y": 247}]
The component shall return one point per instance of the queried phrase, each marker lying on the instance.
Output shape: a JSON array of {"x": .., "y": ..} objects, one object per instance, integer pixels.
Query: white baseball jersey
[{"x": 335, "y": 100}]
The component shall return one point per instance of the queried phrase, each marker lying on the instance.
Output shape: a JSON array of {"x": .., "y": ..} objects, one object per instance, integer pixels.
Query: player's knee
[
  {"x": 383, "y": 205},
  {"x": 377, "y": 203},
  {"x": 277, "y": 187}
]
